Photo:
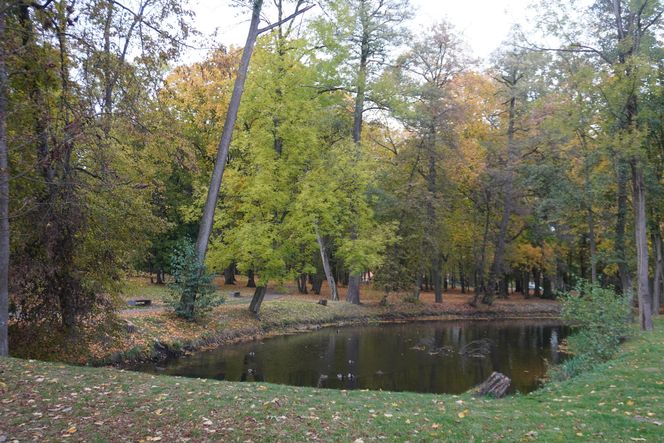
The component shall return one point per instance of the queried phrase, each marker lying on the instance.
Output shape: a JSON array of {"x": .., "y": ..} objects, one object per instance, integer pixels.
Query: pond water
[{"x": 436, "y": 357}]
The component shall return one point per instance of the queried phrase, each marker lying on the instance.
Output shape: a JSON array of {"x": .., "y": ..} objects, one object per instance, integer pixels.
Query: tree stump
[{"x": 495, "y": 386}]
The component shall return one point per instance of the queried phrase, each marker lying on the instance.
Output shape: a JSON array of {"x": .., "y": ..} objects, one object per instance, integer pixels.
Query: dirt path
[{"x": 138, "y": 311}]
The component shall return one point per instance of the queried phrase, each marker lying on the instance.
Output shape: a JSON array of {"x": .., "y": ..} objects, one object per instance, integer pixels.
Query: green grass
[{"x": 622, "y": 400}]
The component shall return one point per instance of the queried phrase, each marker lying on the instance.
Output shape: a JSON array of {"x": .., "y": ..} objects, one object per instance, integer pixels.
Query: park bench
[{"x": 140, "y": 302}]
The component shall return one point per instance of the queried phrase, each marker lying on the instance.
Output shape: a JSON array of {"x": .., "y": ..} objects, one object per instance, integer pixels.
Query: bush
[
  {"x": 599, "y": 318},
  {"x": 192, "y": 290}
]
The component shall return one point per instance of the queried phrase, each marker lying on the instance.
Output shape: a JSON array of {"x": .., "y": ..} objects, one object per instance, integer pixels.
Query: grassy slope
[{"x": 620, "y": 401}]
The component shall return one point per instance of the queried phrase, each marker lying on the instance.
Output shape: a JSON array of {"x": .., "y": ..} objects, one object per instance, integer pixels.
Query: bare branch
[{"x": 285, "y": 20}]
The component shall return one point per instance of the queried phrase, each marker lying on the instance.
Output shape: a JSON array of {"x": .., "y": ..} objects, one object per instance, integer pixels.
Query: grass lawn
[{"x": 619, "y": 401}]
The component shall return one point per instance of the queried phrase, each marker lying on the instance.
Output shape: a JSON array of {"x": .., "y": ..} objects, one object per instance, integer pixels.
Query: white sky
[{"x": 483, "y": 23}]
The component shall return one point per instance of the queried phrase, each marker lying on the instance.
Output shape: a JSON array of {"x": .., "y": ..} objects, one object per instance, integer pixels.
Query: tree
[
  {"x": 4, "y": 194},
  {"x": 361, "y": 33},
  {"x": 622, "y": 35},
  {"x": 434, "y": 62},
  {"x": 207, "y": 218},
  {"x": 80, "y": 111}
]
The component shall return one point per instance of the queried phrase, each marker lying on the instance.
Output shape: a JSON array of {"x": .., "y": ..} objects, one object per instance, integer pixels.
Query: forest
[{"x": 335, "y": 148}]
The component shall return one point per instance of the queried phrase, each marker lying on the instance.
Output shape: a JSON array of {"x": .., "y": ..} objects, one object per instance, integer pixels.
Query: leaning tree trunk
[
  {"x": 257, "y": 299},
  {"x": 207, "y": 219},
  {"x": 4, "y": 196},
  {"x": 639, "y": 202},
  {"x": 326, "y": 267}
]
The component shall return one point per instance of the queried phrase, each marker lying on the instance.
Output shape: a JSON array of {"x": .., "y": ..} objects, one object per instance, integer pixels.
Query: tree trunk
[
  {"x": 497, "y": 267},
  {"x": 251, "y": 282},
  {"x": 160, "y": 276},
  {"x": 536, "y": 277},
  {"x": 640, "y": 232},
  {"x": 593, "y": 248},
  {"x": 302, "y": 284},
  {"x": 546, "y": 286},
  {"x": 257, "y": 299},
  {"x": 317, "y": 283},
  {"x": 326, "y": 267},
  {"x": 353, "y": 290},
  {"x": 207, "y": 218},
  {"x": 658, "y": 281},
  {"x": 621, "y": 221},
  {"x": 4, "y": 196},
  {"x": 437, "y": 279},
  {"x": 229, "y": 275}
]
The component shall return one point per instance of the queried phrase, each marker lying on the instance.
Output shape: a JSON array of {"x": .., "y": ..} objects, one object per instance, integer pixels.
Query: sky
[{"x": 483, "y": 23}]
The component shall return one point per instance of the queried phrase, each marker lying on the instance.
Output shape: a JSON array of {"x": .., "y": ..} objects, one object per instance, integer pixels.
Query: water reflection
[{"x": 448, "y": 357}]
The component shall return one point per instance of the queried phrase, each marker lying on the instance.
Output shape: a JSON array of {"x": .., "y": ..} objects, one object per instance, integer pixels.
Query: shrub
[
  {"x": 599, "y": 318},
  {"x": 192, "y": 290}
]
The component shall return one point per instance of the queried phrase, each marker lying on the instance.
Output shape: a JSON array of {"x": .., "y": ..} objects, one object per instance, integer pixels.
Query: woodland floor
[
  {"x": 622, "y": 400},
  {"x": 138, "y": 334}
]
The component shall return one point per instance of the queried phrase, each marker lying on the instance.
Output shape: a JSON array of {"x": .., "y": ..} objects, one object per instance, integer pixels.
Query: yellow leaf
[
  {"x": 463, "y": 413},
  {"x": 630, "y": 403},
  {"x": 158, "y": 412},
  {"x": 71, "y": 430}
]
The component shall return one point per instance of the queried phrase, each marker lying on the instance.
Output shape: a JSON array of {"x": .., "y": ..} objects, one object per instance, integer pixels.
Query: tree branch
[{"x": 282, "y": 21}]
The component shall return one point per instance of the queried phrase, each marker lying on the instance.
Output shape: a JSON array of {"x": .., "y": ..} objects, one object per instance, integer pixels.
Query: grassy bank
[{"x": 622, "y": 400}]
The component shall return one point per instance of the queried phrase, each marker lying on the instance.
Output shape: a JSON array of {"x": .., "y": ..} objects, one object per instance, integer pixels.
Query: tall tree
[
  {"x": 4, "y": 192},
  {"x": 207, "y": 219},
  {"x": 622, "y": 34},
  {"x": 434, "y": 62},
  {"x": 362, "y": 32}
]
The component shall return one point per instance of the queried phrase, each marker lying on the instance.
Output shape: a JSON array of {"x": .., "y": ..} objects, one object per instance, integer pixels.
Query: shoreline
[{"x": 269, "y": 327}]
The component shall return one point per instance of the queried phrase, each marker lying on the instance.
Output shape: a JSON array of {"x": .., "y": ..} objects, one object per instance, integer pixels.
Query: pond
[{"x": 434, "y": 356}]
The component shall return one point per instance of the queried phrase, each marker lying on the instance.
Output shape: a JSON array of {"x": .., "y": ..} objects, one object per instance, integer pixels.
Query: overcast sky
[{"x": 483, "y": 23}]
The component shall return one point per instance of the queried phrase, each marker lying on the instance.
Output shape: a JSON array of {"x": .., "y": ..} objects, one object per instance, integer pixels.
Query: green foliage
[
  {"x": 192, "y": 290},
  {"x": 600, "y": 318}
]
